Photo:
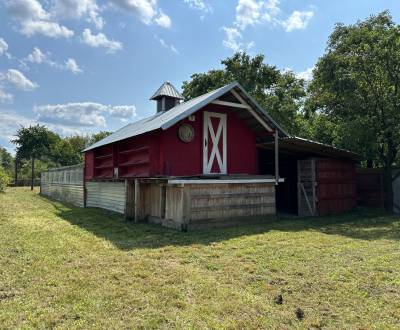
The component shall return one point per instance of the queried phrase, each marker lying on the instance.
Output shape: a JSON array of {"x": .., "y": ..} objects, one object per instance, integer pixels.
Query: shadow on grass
[{"x": 362, "y": 224}]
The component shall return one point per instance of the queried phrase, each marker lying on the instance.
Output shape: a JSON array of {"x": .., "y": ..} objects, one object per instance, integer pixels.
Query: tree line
[
  {"x": 352, "y": 100},
  {"x": 38, "y": 148}
]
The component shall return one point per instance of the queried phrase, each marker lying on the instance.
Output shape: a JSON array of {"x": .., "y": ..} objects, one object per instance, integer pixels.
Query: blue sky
[{"x": 81, "y": 66}]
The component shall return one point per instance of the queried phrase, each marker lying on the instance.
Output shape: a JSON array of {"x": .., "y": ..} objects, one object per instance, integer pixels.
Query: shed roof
[
  {"x": 298, "y": 146},
  {"x": 167, "y": 89},
  {"x": 165, "y": 119}
]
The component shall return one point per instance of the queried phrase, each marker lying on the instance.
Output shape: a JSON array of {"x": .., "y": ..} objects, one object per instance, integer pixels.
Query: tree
[
  {"x": 64, "y": 154},
  {"x": 6, "y": 161},
  {"x": 34, "y": 142},
  {"x": 97, "y": 137},
  {"x": 280, "y": 93},
  {"x": 357, "y": 82}
]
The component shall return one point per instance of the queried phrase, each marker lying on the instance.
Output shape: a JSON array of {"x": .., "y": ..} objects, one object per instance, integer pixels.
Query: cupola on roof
[{"x": 167, "y": 89}]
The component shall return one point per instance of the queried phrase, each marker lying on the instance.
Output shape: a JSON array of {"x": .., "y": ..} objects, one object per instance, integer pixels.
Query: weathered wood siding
[
  {"x": 231, "y": 200},
  {"x": 186, "y": 205},
  {"x": 306, "y": 187},
  {"x": 64, "y": 184},
  {"x": 106, "y": 195}
]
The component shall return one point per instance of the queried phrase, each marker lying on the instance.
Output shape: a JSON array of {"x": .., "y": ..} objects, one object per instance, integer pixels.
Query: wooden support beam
[
  {"x": 128, "y": 200},
  {"x": 276, "y": 157},
  {"x": 250, "y": 109},
  {"x": 136, "y": 200},
  {"x": 231, "y": 104}
]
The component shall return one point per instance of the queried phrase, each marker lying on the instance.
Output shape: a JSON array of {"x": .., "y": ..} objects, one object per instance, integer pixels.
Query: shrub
[{"x": 4, "y": 180}]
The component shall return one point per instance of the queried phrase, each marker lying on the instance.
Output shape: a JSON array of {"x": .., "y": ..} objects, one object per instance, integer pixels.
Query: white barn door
[{"x": 214, "y": 143}]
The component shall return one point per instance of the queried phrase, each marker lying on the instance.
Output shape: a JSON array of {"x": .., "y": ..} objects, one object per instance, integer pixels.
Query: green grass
[{"x": 65, "y": 267}]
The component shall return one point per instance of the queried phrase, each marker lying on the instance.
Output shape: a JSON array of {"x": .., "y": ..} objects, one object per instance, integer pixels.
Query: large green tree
[
  {"x": 357, "y": 85},
  {"x": 6, "y": 161},
  {"x": 34, "y": 142},
  {"x": 280, "y": 93}
]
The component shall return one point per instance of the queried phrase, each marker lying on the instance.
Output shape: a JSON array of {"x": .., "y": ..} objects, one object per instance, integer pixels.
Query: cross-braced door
[
  {"x": 306, "y": 192},
  {"x": 214, "y": 143}
]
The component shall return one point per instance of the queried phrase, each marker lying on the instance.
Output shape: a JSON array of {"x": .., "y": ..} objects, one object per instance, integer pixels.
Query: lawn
[{"x": 65, "y": 267}]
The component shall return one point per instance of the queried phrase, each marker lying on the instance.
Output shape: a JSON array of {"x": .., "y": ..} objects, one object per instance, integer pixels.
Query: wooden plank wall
[
  {"x": 336, "y": 189},
  {"x": 109, "y": 195},
  {"x": 179, "y": 205},
  {"x": 231, "y": 200},
  {"x": 370, "y": 192},
  {"x": 64, "y": 184}
]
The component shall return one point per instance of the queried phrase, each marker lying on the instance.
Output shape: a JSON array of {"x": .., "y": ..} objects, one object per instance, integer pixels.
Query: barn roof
[
  {"x": 165, "y": 119},
  {"x": 167, "y": 89}
]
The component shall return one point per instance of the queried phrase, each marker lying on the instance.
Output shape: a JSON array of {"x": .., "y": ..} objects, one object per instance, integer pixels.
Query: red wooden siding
[
  {"x": 160, "y": 153},
  {"x": 182, "y": 159},
  {"x": 89, "y": 165},
  {"x": 104, "y": 162},
  {"x": 336, "y": 189},
  {"x": 134, "y": 157}
]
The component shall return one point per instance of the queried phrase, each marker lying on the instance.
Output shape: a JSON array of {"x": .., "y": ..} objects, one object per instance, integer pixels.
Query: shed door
[
  {"x": 307, "y": 200},
  {"x": 214, "y": 143}
]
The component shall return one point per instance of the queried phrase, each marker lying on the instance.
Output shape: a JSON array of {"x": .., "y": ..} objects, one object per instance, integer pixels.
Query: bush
[{"x": 4, "y": 180}]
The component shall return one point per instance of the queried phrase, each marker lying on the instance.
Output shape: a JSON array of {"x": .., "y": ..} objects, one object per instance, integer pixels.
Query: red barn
[{"x": 211, "y": 159}]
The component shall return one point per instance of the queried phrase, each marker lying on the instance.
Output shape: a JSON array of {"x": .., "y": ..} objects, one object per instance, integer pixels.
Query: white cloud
[
  {"x": 9, "y": 123},
  {"x": 307, "y": 74},
  {"x": 298, "y": 20},
  {"x": 72, "y": 66},
  {"x": 100, "y": 40},
  {"x": 46, "y": 28},
  {"x": 165, "y": 45},
  {"x": 252, "y": 12},
  {"x": 37, "y": 56},
  {"x": 18, "y": 80},
  {"x": 147, "y": 11},
  {"x": 83, "y": 114},
  {"x": 163, "y": 20},
  {"x": 3, "y": 46},
  {"x": 76, "y": 9},
  {"x": 26, "y": 10},
  {"x": 247, "y": 13},
  {"x": 34, "y": 19},
  {"x": 199, "y": 5},
  {"x": 5, "y": 97},
  {"x": 233, "y": 40}
]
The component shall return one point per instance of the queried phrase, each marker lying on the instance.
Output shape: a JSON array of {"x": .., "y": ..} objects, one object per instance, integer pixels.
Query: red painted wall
[
  {"x": 89, "y": 165},
  {"x": 336, "y": 189},
  {"x": 163, "y": 153},
  {"x": 182, "y": 159}
]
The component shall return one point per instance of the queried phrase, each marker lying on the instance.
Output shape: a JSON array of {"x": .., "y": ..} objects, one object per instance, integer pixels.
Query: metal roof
[
  {"x": 298, "y": 146},
  {"x": 165, "y": 119},
  {"x": 167, "y": 89}
]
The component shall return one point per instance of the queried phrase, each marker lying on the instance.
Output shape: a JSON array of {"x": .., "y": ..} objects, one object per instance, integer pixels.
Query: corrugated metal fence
[
  {"x": 106, "y": 195},
  {"x": 64, "y": 184}
]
